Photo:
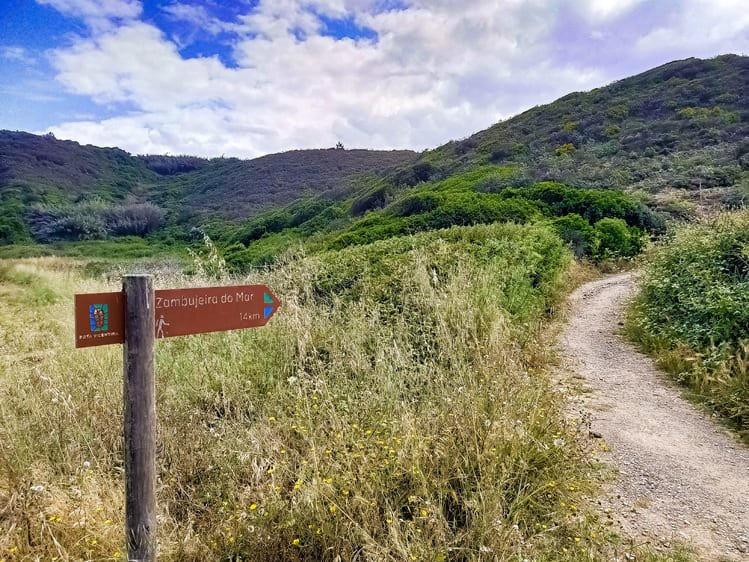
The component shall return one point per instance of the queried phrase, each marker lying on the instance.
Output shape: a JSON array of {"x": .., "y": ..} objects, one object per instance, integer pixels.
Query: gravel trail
[{"x": 681, "y": 476}]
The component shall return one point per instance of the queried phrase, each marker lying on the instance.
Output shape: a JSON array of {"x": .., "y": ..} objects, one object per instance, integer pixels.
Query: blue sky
[{"x": 250, "y": 77}]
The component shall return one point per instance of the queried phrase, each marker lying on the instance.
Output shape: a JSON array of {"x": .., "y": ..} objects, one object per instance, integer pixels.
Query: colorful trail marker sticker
[{"x": 99, "y": 317}]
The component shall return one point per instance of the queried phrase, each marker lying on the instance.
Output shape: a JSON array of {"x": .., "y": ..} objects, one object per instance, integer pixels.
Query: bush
[
  {"x": 578, "y": 233},
  {"x": 693, "y": 311},
  {"x": 133, "y": 219},
  {"x": 93, "y": 220},
  {"x": 617, "y": 239}
]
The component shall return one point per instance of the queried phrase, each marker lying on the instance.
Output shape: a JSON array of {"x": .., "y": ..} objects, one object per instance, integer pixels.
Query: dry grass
[{"x": 397, "y": 408}]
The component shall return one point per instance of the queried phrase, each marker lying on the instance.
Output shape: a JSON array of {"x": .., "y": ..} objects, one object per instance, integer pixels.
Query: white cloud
[
  {"x": 434, "y": 73},
  {"x": 15, "y": 53},
  {"x": 702, "y": 28},
  {"x": 599, "y": 11},
  {"x": 198, "y": 16},
  {"x": 98, "y": 14}
]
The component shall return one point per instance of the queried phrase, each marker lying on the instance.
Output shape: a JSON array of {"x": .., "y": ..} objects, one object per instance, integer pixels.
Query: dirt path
[{"x": 681, "y": 476}]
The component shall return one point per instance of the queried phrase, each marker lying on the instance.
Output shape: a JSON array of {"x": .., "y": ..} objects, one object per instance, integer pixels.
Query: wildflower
[
  {"x": 107, "y": 521},
  {"x": 231, "y": 540},
  {"x": 253, "y": 507},
  {"x": 295, "y": 542},
  {"x": 388, "y": 521},
  {"x": 332, "y": 508},
  {"x": 270, "y": 471},
  {"x": 423, "y": 512}
]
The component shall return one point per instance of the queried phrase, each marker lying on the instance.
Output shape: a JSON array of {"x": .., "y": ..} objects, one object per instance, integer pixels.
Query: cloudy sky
[{"x": 250, "y": 77}]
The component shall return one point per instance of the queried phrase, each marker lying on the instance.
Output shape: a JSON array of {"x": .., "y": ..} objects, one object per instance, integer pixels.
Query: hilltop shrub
[
  {"x": 592, "y": 204},
  {"x": 693, "y": 311},
  {"x": 371, "y": 201},
  {"x": 616, "y": 239},
  {"x": 94, "y": 220},
  {"x": 453, "y": 209},
  {"x": 606, "y": 239},
  {"x": 416, "y": 204},
  {"x": 132, "y": 219},
  {"x": 578, "y": 233}
]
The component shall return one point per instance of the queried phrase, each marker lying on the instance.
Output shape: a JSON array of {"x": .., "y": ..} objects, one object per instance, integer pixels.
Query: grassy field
[
  {"x": 693, "y": 312},
  {"x": 398, "y": 407}
]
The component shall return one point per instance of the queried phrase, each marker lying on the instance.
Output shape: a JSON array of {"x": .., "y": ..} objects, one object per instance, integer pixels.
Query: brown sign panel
[
  {"x": 180, "y": 312},
  {"x": 99, "y": 317}
]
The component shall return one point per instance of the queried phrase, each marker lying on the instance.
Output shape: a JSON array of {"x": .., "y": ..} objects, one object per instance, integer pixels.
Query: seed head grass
[{"x": 397, "y": 407}]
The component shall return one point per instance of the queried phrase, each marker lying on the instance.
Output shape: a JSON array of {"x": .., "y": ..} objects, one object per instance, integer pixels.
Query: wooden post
[{"x": 140, "y": 419}]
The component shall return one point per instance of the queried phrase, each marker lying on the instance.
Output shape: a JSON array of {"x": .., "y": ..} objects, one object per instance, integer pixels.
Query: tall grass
[
  {"x": 396, "y": 408},
  {"x": 693, "y": 312}
]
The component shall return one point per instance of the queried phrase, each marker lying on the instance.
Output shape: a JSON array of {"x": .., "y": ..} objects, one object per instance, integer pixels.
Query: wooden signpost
[{"x": 136, "y": 317}]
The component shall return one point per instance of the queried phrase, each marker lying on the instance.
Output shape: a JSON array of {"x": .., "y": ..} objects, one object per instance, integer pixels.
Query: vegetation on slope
[
  {"x": 693, "y": 312},
  {"x": 682, "y": 125},
  {"x": 679, "y": 129},
  {"x": 397, "y": 407},
  {"x": 65, "y": 176},
  {"x": 597, "y": 223}
]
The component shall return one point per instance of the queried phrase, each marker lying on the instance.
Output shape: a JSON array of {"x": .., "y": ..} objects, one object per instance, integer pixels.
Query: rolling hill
[
  {"x": 673, "y": 135},
  {"x": 43, "y": 171}
]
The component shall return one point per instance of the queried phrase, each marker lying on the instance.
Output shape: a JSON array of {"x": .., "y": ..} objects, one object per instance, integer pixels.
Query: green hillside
[
  {"x": 71, "y": 189},
  {"x": 680, "y": 125},
  {"x": 674, "y": 138}
]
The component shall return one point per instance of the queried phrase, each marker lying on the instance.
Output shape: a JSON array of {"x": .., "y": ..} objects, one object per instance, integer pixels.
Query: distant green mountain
[
  {"x": 674, "y": 135},
  {"x": 41, "y": 172}
]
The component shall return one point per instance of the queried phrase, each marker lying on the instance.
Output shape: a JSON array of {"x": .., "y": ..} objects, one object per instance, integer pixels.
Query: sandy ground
[{"x": 681, "y": 476}]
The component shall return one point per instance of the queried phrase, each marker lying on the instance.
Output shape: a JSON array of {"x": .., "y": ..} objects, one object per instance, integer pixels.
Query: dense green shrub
[
  {"x": 371, "y": 201},
  {"x": 94, "y": 220},
  {"x": 578, "y": 233},
  {"x": 13, "y": 229},
  {"x": 592, "y": 204},
  {"x": 416, "y": 204},
  {"x": 616, "y": 239},
  {"x": 693, "y": 311}
]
